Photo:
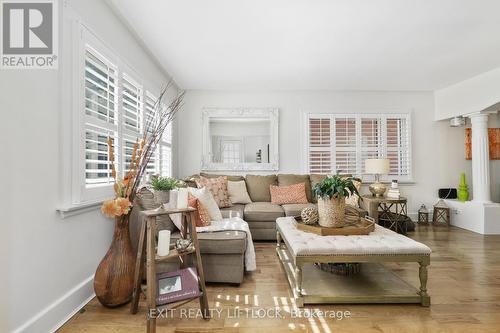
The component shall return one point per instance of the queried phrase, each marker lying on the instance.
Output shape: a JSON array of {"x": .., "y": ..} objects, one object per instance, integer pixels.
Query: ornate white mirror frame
[{"x": 209, "y": 114}]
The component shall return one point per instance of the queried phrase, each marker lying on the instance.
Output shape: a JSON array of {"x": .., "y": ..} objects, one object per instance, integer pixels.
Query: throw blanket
[{"x": 233, "y": 224}]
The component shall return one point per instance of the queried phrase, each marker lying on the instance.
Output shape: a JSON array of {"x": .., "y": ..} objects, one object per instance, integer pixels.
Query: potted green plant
[
  {"x": 331, "y": 193},
  {"x": 162, "y": 187}
]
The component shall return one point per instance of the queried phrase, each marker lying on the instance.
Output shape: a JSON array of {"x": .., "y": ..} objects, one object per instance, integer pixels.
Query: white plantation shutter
[
  {"x": 131, "y": 117},
  {"x": 371, "y": 140},
  {"x": 166, "y": 152},
  {"x": 149, "y": 103},
  {"x": 340, "y": 143},
  {"x": 100, "y": 116},
  {"x": 166, "y": 160},
  {"x": 131, "y": 104},
  {"x": 319, "y": 144},
  {"x": 111, "y": 104},
  {"x": 345, "y": 158},
  {"x": 398, "y": 146}
]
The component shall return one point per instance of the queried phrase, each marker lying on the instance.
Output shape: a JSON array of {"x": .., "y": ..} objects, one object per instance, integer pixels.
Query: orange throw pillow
[
  {"x": 202, "y": 218},
  {"x": 291, "y": 194}
]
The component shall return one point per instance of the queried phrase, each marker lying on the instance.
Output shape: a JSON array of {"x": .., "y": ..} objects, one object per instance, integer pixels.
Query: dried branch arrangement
[{"x": 144, "y": 148}]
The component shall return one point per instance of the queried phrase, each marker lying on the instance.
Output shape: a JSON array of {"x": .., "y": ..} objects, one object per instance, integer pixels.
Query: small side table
[{"x": 392, "y": 210}]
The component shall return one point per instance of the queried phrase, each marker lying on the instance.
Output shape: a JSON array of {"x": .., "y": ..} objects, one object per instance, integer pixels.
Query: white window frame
[
  {"x": 383, "y": 116},
  {"x": 80, "y": 193}
]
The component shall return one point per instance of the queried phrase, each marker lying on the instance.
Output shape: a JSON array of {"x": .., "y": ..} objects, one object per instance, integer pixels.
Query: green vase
[{"x": 463, "y": 191}]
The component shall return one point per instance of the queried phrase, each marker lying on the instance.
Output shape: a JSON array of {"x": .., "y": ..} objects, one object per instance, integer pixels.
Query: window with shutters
[
  {"x": 101, "y": 121},
  {"x": 112, "y": 103},
  {"x": 340, "y": 143}
]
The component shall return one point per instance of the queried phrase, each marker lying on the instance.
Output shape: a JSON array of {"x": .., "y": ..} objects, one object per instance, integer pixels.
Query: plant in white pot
[
  {"x": 331, "y": 193},
  {"x": 162, "y": 187}
]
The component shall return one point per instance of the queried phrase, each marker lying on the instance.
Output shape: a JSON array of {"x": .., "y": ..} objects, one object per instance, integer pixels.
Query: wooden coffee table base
[{"x": 374, "y": 284}]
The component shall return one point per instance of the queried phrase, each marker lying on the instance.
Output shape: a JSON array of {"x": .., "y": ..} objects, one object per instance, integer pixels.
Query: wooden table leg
[
  {"x": 199, "y": 267},
  {"x": 151, "y": 275},
  {"x": 139, "y": 267},
  {"x": 298, "y": 279},
  {"x": 422, "y": 273}
]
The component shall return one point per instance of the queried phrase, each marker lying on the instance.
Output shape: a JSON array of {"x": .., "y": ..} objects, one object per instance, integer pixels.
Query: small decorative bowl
[{"x": 183, "y": 245}]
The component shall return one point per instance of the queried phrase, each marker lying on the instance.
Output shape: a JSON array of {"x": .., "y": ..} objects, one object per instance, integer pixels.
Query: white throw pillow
[
  {"x": 206, "y": 198},
  {"x": 238, "y": 192}
]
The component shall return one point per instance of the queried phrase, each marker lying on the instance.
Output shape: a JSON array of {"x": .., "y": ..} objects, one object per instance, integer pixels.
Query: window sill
[{"x": 77, "y": 209}]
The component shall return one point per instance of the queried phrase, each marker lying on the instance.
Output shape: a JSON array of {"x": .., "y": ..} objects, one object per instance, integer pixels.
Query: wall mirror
[{"x": 240, "y": 139}]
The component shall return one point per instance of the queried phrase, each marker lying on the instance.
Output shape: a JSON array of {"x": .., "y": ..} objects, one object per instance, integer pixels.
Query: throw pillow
[
  {"x": 315, "y": 179},
  {"x": 258, "y": 187},
  {"x": 290, "y": 179},
  {"x": 207, "y": 199},
  {"x": 353, "y": 199},
  {"x": 201, "y": 218},
  {"x": 238, "y": 192},
  {"x": 218, "y": 188},
  {"x": 291, "y": 194}
]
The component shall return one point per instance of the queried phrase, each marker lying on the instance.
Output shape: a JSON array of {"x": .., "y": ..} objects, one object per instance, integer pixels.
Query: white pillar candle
[
  {"x": 182, "y": 198},
  {"x": 163, "y": 243},
  {"x": 172, "y": 202}
]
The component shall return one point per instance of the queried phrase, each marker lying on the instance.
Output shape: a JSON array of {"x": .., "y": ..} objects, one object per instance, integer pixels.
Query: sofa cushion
[
  {"x": 258, "y": 187},
  {"x": 207, "y": 199},
  {"x": 290, "y": 179},
  {"x": 315, "y": 179},
  {"x": 353, "y": 199},
  {"x": 237, "y": 207},
  {"x": 238, "y": 192},
  {"x": 262, "y": 211},
  {"x": 291, "y": 194},
  {"x": 201, "y": 216},
  {"x": 219, "y": 242},
  {"x": 295, "y": 209},
  {"x": 218, "y": 188}
]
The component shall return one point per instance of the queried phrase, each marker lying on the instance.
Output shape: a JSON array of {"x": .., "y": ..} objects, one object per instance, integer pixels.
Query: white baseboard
[{"x": 56, "y": 314}]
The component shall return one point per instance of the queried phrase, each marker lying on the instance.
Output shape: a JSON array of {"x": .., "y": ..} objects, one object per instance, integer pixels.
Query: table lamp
[{"x": 377, "y": 167}]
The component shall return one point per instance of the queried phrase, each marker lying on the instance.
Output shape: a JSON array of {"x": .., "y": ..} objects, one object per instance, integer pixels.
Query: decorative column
[{"x": 480, "y": 158}]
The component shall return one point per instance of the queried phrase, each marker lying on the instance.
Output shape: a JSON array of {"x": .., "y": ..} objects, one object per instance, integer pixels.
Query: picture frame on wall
[{"x": 493, "y": 143}]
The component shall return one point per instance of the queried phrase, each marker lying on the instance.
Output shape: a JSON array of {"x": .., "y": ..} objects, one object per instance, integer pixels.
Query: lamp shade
[{"x": 378, "y": 166}]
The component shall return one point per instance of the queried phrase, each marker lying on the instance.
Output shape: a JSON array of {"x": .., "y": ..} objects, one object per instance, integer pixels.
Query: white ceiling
[{"x": 318, "y": 44}]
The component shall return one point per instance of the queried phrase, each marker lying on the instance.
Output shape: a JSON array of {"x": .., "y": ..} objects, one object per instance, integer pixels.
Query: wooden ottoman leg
[
  {"x": 422, "y": 272},
  {"x": 298, "y": 286}
]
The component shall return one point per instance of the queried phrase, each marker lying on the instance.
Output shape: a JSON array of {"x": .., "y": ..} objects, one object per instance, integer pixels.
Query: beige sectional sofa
[
  {"x": 223, "y": 252},
  {"x": 261, "y": 214}
]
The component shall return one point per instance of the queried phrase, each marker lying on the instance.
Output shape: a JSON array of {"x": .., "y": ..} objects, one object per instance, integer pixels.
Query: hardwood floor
[{"x": 464, "y": 284}]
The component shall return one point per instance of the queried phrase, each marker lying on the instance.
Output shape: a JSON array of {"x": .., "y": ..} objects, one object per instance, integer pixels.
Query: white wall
[
  {"x": 438, "y": 150},
  {"x": 49, "y": 262},
  {"x": 472, "y": 95}
]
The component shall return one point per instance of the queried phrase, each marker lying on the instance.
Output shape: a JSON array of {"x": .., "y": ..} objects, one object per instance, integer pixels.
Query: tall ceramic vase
[
  {"x": 114, "y": 277},
  {"x": 331, "y": 212},
  {"x": 463, "y": 191}
]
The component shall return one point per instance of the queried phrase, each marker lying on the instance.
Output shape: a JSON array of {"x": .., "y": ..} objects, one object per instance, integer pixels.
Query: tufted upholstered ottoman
[{"x": 375, "y": 283}]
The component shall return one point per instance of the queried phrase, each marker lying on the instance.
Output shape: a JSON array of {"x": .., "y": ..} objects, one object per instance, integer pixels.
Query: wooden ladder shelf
[{"x": 147, "y": 249}]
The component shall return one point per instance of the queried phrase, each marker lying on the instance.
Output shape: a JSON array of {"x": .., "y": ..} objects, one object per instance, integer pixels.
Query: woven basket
[{"x": 331, "y": 212}]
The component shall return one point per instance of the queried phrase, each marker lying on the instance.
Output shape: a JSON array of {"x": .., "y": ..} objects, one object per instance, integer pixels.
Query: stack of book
[{"x": 393, "y": 192}]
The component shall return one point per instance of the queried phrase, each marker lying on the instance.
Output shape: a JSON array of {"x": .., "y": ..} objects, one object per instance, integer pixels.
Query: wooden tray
[{"x": 361, "y": 227}]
